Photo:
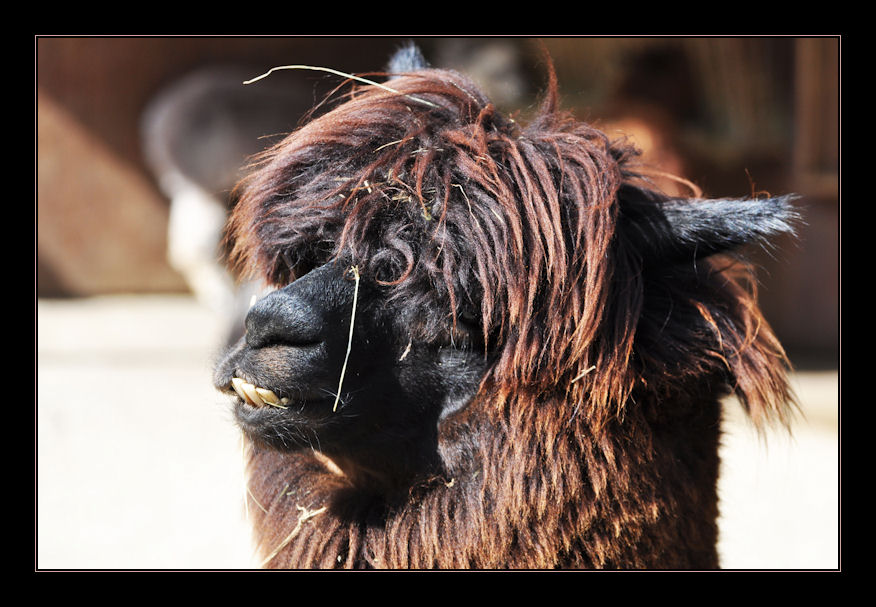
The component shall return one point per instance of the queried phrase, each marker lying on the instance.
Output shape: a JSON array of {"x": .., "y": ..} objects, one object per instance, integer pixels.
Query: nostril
[{"x": 281, "y": 318}]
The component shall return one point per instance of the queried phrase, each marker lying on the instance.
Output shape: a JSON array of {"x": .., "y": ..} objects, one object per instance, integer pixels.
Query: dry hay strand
[
  {"x": 355, "y": 271},
  {"x": 338, "y": 73},
  {"x": 302, "y": 518}
]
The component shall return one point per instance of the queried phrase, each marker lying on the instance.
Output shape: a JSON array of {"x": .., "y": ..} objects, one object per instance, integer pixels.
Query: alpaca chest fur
[
  {"x": 543, "y": 499},
  {"x": 531, "y": 356}
]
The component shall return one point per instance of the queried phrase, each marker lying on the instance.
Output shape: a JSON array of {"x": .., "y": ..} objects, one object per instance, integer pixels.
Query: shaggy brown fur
[{"x": 593, "y": 439}]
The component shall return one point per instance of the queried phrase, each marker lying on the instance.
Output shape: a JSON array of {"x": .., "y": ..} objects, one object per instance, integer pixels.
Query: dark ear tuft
[
  {"x": 408, "y": 58},
  {"x": 681, "y": 230},
  {"x": 704, "y": 227}
]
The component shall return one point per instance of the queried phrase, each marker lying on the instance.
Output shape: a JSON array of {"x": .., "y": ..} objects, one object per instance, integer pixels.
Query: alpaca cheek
[{"x": 440, "y": 381}]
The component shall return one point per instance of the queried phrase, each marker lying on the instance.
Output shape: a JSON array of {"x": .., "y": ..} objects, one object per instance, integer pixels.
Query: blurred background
[{"x": 139, "y": 141}]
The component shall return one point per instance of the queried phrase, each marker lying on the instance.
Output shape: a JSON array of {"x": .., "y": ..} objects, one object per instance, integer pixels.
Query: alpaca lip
[{"x": 256, "y": 396}]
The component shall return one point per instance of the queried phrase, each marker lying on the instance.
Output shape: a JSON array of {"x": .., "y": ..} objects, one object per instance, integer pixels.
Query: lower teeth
[{"x": 257, "y": 397}]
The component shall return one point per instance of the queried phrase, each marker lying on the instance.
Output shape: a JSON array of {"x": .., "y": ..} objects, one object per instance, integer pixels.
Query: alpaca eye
[
  {"x": 303, "y": 261},
  {"x": 468, "y": 317},
  {"x": 294, "y": 267},
  {"x": 301, "y": 269},
  {"x": 468, "y": 321}
]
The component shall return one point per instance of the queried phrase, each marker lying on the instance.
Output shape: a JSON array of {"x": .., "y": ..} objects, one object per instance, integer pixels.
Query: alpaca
[{"x": 490, "y": 345}]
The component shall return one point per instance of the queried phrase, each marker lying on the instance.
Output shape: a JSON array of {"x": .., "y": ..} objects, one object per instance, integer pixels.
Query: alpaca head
[{"x": 428, "y": 251}]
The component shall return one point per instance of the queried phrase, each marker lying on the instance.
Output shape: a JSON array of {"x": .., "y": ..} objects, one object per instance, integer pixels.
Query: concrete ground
[{"x": 138, "y": 465}]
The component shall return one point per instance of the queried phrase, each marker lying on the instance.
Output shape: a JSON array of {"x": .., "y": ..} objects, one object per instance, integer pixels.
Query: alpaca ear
[
  {"x": 699, "y": 228},
  {"x": 408, "y": 58}
]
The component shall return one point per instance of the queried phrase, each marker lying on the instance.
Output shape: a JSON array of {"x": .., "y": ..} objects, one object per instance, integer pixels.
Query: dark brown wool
[{"x": 597, "y": 425}]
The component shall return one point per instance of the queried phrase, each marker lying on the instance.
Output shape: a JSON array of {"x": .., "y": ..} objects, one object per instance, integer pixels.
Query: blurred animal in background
[
  {"x": 198, "y": 133},
  {"x": 490, "y": 345}
]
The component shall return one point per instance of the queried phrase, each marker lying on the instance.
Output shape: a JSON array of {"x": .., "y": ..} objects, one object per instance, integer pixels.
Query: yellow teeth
[
  {"x": 267, "y": 396},
  {"x": 257, "y": 397}
]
